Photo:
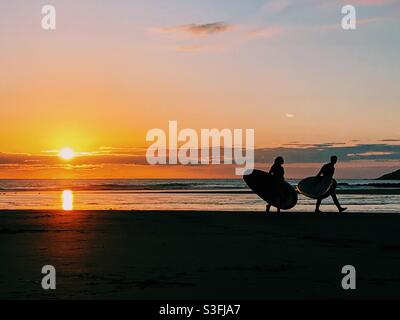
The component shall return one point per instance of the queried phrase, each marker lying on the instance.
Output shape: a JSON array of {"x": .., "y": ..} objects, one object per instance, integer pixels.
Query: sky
[{"x": 113, "y": 70}]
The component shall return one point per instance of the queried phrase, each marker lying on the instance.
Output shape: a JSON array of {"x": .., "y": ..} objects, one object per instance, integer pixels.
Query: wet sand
[{"x": 198, "y": 255}]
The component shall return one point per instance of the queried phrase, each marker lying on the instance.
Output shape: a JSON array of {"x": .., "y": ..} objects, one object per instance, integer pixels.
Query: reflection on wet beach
[{"x": 67, "y": 200}]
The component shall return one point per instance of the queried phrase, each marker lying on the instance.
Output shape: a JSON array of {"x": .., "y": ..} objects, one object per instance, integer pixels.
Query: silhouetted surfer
[
  {"x": 277, "y": 171},
  {"x": 328, "y": 170}
]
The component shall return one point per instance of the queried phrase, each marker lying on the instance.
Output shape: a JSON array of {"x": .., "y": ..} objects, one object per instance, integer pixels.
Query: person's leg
[
  {"x": 336, "y": 202},
  {"x": 334, "y": 197},
  {"x": 268, "y": 208},
  {"x": 318, "y": 204},
  {"x": 278, "y": 210}
]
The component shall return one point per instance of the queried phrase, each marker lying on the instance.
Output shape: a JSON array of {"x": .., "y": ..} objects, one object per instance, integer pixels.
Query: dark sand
[{"x": 191, "y": 255}]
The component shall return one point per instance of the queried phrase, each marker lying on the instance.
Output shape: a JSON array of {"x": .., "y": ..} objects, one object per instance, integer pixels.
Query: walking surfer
[
  {"x": 278, "y": 172},
  {"x": 328, "y": 170}
]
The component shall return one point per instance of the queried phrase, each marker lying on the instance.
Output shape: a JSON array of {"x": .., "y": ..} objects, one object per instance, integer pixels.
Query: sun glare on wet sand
[
  {"x": 66, "y": 153},
  {"x": 67, "y": 198}
]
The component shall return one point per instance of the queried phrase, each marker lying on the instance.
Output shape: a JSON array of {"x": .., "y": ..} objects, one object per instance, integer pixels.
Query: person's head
[
  {"x": 333, "y": 159},
  {"x": 279, "y": 161}
]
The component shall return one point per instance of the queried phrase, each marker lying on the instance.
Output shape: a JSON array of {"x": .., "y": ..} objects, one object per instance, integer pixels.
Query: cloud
[
  {"x": 312, "y": 153},
  {"x": 209, "y": 28},
  {"x": 275, "y": 7},
  {"x": 197, "y": 47},
  {"x": 84, "y": 158},
  {"x": 390, "y": 140},
  {"x": 265, "y": 32},
  {"x": 293, "y": 152},
  {"x": 198, "y": 30},
  {"x": 314, "y": 145},
  {"x": 202, "y": 32}
]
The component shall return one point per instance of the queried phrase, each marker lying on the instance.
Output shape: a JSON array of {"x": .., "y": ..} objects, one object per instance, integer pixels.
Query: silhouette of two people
[{"x": 327, "y": 170}]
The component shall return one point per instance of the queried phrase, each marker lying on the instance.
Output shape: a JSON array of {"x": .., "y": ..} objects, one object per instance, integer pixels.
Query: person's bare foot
[
  {"x": 318, "y": 211},
  {"x": 342, "y": 209}
]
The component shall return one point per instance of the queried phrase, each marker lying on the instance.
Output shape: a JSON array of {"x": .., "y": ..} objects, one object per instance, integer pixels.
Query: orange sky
[{"x": 111, "y": 72}]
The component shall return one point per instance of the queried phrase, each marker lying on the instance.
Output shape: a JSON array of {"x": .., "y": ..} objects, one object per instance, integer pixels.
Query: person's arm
[{"x": 320, "y": 172}]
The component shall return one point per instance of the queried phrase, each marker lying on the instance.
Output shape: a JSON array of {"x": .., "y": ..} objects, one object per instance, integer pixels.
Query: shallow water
[
  {"x": 173, "y": 195},
  {"x": 109, "y": 200},
  {"x": 166, "y": 184}
]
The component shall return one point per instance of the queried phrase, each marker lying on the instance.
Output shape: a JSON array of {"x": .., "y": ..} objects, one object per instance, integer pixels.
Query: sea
[{"x": 182, "y": 194}]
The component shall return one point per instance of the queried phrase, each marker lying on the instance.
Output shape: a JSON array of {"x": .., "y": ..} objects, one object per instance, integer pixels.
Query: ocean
[{"x": 181, "y": 194}]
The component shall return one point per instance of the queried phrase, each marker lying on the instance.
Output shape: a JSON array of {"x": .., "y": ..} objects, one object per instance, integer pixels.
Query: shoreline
[{"x": 184, "y": 212}]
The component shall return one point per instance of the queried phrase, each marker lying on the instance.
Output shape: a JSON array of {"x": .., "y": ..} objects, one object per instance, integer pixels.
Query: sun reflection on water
[{"x": 67, "y": 198}]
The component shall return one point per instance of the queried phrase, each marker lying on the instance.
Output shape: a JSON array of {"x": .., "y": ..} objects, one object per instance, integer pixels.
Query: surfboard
[
  {"x": 315, "y": 187},
  {"x": 276, "y": 192}
]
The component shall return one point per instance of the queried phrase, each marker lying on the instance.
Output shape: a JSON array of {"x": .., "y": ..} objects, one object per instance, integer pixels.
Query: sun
[{"x": 66, "y": 153}]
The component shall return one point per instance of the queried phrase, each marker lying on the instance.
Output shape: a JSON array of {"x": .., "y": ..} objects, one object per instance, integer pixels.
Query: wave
[
  {"x": 118, "y": 184},
  {"x": 164, "y": 185},
  {"x": 372, "y": 184}
]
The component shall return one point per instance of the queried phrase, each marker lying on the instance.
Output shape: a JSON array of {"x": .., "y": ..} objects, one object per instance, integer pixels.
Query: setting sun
[{"x": 66, "y": 153}]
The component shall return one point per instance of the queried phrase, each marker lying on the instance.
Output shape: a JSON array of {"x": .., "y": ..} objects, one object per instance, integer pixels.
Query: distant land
[{"x": 391, "y": 176}]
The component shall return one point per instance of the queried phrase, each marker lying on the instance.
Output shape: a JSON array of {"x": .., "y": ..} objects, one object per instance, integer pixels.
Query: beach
[{"x": 109, "y": 254}]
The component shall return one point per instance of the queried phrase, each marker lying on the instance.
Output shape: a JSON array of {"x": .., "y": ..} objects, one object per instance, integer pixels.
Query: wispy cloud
[
  {"x": 201, "y": 33},
  {"x": 198, "y": 47},
  {"x": 264, "y": 32},
  {"x": 240, "y": 33},
  {"x": 294, "y": 152},
  {"x": 302, "y": 159},
  {"x": 313, "y": 145},
  {"x": 390, "y": 140},
  {"x": 209, "y": 28},
  {"x": 315, "y": 153},
  {"x": 197, "y": 30}
]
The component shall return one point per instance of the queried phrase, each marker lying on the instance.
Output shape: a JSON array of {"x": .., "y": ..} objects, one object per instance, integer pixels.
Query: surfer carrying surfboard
[
  {"x": 328, "y": 170},
  {"x": 278, "y": 172},
  {"x": 272, "y": 187}
]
